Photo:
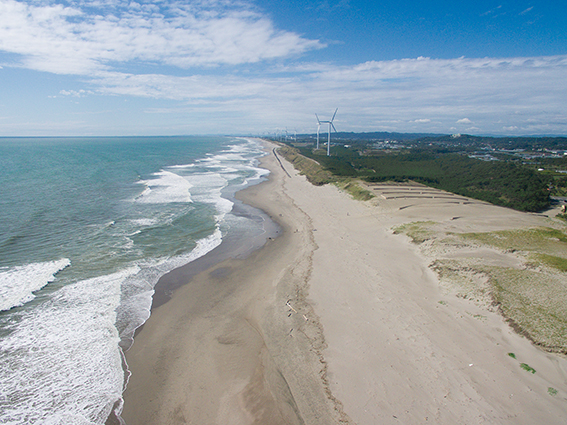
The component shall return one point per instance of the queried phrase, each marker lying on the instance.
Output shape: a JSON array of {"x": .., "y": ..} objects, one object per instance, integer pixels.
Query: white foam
[
  {"x": 183, "y": 166},
  {"x": 260, "y": 173},
  {"x": 233, "y": 166},
  {"x": 17, "y": 284},
  {"x": 61, "y": 363},
  {"x": 203, "y": 246},
  {"x": 135, "y": 309},
  {"x": 207, "y": 188},
  {"x": 145, "y": 221},
  {"x": 165, "y": 188}
]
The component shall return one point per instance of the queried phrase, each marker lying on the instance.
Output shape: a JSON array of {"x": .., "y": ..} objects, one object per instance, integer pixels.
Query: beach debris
[
  {"x": 305, "y": 317},
  {"x": 289, "y": 305}
]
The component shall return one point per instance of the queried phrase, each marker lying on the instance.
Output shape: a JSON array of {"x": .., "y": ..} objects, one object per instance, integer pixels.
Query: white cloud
[
  {"x": 529, "y": 9},
  {"x": 74, "y": 40},
  {"x": 518, "y": 91},
  {"x": 75, "y": 93}
]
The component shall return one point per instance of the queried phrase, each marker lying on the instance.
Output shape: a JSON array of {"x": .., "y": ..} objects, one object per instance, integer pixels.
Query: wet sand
[{"x": 338, "y": 320}]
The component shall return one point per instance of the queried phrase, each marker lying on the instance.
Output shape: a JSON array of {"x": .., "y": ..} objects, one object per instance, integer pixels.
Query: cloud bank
[
  {"x": 84, "y": 38},
  {"x": 512, "y": 96}
]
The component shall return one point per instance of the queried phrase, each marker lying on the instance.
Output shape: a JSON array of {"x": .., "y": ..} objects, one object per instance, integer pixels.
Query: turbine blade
[
  {"x": 334, "y": 114},
  {"x": 318, "y": 120},
  {"x": 333, "y": 125}
]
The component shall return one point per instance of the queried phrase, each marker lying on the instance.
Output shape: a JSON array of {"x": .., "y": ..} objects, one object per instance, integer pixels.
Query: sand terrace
[{"x": 412, "y": 191}]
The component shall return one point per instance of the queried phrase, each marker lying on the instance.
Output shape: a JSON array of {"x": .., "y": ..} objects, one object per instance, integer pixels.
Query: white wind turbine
[
  {"x": 329, "y": 134},
  {"x": 318, "y": 128}
]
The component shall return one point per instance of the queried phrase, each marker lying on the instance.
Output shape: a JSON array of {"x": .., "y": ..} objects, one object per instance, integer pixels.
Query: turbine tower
[
  {"x": 318, "y": 128},
  {"x": 329, "y": 134}
]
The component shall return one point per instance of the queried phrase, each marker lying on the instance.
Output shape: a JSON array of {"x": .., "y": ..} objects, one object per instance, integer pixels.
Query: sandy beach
[{"x": 339, "y": 319}]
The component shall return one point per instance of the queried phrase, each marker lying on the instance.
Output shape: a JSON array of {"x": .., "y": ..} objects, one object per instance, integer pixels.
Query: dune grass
[
  {"x": 418, "y": 231},
  {"x": 318, "y": 176},
  {"x": 533, "y": 297}
]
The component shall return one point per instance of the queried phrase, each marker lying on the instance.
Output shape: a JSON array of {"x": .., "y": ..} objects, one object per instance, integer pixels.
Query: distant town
[{"x": 482, "y": 147}]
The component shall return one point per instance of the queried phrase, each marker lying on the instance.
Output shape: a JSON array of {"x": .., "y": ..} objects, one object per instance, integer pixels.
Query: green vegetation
[
  {"x": 543, "y": 240},
  {"x": 319, "y": 176},
  {"x": 527, "y": 367},
  {"x": 501, "y": 183},
  {"x": 354, "y": 189},
  {"x": 552, "y": 261},
  {"x": 512, "y": 355},
  {"x": 515, "y": 172},
  {"x": 552, "y": 391},
  {"x": 533, "y": 302},
  {"x": 532, "y": 297},
  {"x": 418, "y": 231},
  {"x": 308, "y": 167},
  {"x": 556, "y": 179}
]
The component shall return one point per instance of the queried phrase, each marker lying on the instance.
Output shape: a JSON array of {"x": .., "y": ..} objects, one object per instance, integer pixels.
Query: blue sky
[{"x": 112, "y": 67}]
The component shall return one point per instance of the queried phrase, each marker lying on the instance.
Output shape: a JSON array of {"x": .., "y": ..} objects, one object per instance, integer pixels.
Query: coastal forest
[{"x": 517, "y": 173}]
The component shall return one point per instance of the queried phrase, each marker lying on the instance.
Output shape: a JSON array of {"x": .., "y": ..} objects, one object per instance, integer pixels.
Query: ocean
[{"x": 87, "y": 227}]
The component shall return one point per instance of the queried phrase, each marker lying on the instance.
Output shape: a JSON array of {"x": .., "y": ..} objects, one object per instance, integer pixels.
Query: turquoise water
[{"x": 88, "y": 226}]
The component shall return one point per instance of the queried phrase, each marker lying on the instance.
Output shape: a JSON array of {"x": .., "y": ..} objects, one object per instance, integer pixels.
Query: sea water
[{"x": 87, "y": 227}]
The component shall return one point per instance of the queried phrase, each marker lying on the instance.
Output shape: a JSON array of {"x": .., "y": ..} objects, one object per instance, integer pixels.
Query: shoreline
[
  {"x": 229, "y": 248},
  {"x": 337, "y": 320},
  {"x": 229, "y": 309}
]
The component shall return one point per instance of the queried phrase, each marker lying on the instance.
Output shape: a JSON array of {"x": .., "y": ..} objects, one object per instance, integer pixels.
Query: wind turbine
[
  {"x": 318, "y": 128},
  {"x": 329, "y": 134}
]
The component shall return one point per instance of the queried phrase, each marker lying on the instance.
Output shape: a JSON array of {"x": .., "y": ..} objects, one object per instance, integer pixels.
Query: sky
[{"x": 251, "y": 67}]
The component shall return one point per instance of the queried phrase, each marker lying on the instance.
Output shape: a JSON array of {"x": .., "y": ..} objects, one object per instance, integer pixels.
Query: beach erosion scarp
[{"x": 337, "y": 320}]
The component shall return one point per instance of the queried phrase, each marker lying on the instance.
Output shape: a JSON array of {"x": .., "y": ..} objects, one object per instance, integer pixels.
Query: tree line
[{"x": 501, "y": 183}]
